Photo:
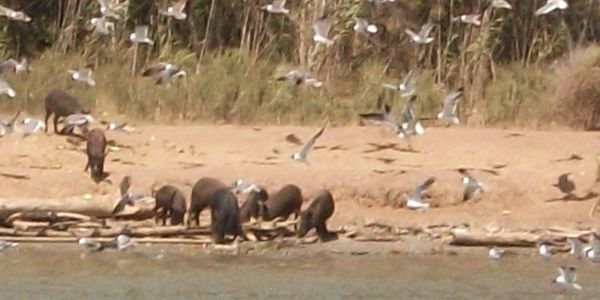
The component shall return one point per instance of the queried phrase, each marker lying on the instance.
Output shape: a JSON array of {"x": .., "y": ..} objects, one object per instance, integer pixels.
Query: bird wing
[
  {"x": 85, "y": 72},
  {"x": 154, "y": 69},
  {"x": 141, "y": 31},
  {"x": 76, "y": 119},
  {"x": 595, "y": 243},
  {"x": 407, "y": 111},
  {"x": 4, "y": 86},
  {"x": 450, "y": 103},
  {"x": 425, "y": 30},
  {"x": 4, "y": 11},
  {"x": 425, "y": 185},
  {"x": 179, "y": 6},
  {"x": 106, "y": 4},
  {"x": 322, "y": 27},
  {"x": 548, "y": 7},
  {"x": 408, "y": 77},
  {"x": 362, "y": 23},
  {"x": 570, "y": 274},
  {"x": 278, "y": 3},
  {"x": 561, "y": 4},
  {"x": 412, "y": 34},
  {"x": 309, "y": 145},
  {"x": 125, "y": 185}
]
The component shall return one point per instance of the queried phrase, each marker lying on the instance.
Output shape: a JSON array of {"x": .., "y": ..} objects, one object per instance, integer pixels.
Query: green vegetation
[{"x": 516, "y": 69}]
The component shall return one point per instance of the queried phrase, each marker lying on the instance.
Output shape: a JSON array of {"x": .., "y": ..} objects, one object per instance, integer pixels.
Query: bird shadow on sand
[
  {"x": 338, "y": 148},
  {"x": 265, "y": 163},
  {"x": 15, "y": 176},
  {"x": 573, "y": 197},
  {"x": 389, "y": 146},
  {"x": 190, "y": 165}
]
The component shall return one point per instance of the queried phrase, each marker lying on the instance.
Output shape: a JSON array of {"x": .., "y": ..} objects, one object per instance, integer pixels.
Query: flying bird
[
  {"x": 404, "y": 88},
  {"x": 592, "y": 252},
  {"x": 362, "y": 26},
  {"x": 386, "y": 118},
  {"x": 110, "y": 8},
  {"x": 568, "y": 277},
  {"x": 127, "y": 197},
  {"x": 414, "y": 200},
  {"x": 101, "y": 26},
  {"x": 6, "y": 89},
  {"x": 140, "y": 35},
  {"x": 423, "y": 36},
  {"x": 470, "y": 184},
  {"x": 244, "y": 187},
  {"x": 83, "y": 75},
  {"x": 277, "y": 7},
  {"x": 552, "y": 5},
  {"x": 469, "y": 19},
  {"x": 448, "y": 112},
  {"x": 13, "y": 14},
  {"x": 176, "y": 10},
  {"x": 322, "y": 28},
  {"x": 164, "y": 72},
  {"x": 299, "y": 77},
  {"x": 501, "y": 4},
  {"x": 12, "y": 65},
  {"x": 576, "y": 246},
  {"x": 410, "y": 124},
  {"x": 565, "y": 184},
  {"x": 303, "y": 154}
]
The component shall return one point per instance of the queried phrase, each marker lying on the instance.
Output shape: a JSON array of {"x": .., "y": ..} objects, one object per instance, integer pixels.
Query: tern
[
  {"x": 568, "y": 277},
  {"x": 277, "y": 7},
  {"x": 322, "y": 28},
  {"x": 404, "y": 88},
  {"x": 140, "y": 35},
  {"x": 303, "y": 154},
  {"x": 414, "y": 200},
  {"x": 423, "y": 36},
  {"x": 83, "y": 75},
  {"x": 176, "y": 10},
  {"x": 448, "y": 112}
]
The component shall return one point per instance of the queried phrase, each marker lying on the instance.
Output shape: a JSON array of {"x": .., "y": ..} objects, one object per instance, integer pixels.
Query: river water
[{"x": 183, "y": 272}]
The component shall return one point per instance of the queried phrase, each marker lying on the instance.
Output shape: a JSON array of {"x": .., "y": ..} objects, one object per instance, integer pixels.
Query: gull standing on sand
[
  {"x": 501, "y": 4},
  {"x": 176, "y": 10},
  {"x": 405, "y": 88},
  {"x": 110, "y": 126},
  {"x": 592, "y": 252},
  {"x": 448, "y": 112},
  {"x": 496, "y": 254},
  {"x": 101, "y": 26},
  {"x": 568, "y": 277},
  {"x": 423, "y": 36},
  {"x": 303, "y": 154},
  {"x": 6, "y": 89},
  {"x": 13, "y": 14},
  {"x": 244, "y": 187},
  {"x": 414, "y": 200},
  {"x": 124, "y": 242},
  {"x": 576, "y": 246},
  {"x": 565, "y": 184},
  {"x": 299, "y": 77},
  {"x": 362, "y": 26},
  {"x": 12, "y": 65},
  {"x": 552, "y": 5},
  {"x": 277, "y": 7},
  {"x": 83, "y": 75},
  {"x": 470, "y": 184},
  {"x": 322, "y": 28},
  {"x": 469, "y": 19},
  {"x": 164, "y": 72},
  {"x": 140, "y": 36},
  {"x": 31, "y": 125}
]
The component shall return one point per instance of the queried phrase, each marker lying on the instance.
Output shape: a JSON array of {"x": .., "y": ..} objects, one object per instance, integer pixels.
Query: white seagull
[
  {"x": 552, "y": 5},
  {"x": 322, "y": 28},
  {"x": 141, "y": 35},
  {"x": 6, "y": 89},
  {"x": 101, "y": 26},
  {"x": 448, "y": 112},
  {"x": 30, "y": 126},
  {"x": 410, "y": 124},
  {"x": 244, "y": 187},
  {"x": 124, "y": 242},
  {"x": 545, "y": 251},
  {"x": 299, "y": 77},
  {"x": 423, "y": 36},
  {"x": 414, "y": 200},
  {"x": 501, "y": 4},
  {"x": 568, "y": 277},
  {"x": 592, "y": 252},
  {"x": 469, "y": 19},
  {"x": 176, "y": 10},
  {"x": 13, "y": 14},
  {"x": 110, "y": 126},
  {"x": 404, "y": 88},
  {"x": 164, "y": 72},
  {"x": 471, "y": 185},
  {"x": 362, "y": 26},
  {"x": 303, "y": 154},
  {"x": 83, "y": 75},
  {"x": 496, "y": 254},
  {"x": 277, "y": 7},
  {"x": 79, "y": 119}
]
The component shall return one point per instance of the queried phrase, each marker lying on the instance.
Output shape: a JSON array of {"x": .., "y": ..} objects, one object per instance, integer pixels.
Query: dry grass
[{"x": 232, "y": 88}]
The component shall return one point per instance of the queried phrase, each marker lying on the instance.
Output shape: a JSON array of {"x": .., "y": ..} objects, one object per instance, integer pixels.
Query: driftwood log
[
  {"x": 503, "y": 239},
  {"x": 79, "y": 207}
]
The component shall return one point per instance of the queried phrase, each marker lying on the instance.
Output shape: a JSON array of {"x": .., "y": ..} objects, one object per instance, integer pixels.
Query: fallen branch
[{"x": 503, "y": 239}]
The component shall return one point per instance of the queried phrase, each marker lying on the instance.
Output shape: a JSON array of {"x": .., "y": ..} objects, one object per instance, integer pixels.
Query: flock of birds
[{"x": 408, "y": 125}]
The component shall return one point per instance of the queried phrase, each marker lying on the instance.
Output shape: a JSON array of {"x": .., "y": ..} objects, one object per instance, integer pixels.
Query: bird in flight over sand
[
  {"x": 303, "y": 154},
  {"x": 322, "y": 28},
  {"x": 469, "y": 19},
  {"x": 568, "y": 277},
  {"x": 83, "y": 75},
  {"x": 448, "y": 112},
  {"x": 405, "y": 88},
  {"x": 414, "y": 200}
]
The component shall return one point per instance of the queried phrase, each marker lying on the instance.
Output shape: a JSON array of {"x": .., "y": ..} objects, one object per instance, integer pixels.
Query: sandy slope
[{"x": 365, "y": 179}]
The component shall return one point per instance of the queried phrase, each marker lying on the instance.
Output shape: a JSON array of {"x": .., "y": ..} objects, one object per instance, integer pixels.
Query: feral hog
[
  {"x": 224, "y": 215},
  {"x": 316, "y": 215},
  {"x": 96, "y": 147},
  {"x": 170, "y": 201},
  {"x": 201, "y": 194},
  {"x": 282, "y": 204},
  {"x": 61, "y": 104}
]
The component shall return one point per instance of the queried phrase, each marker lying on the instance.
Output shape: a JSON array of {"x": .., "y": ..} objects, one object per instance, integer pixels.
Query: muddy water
[{"x": 65, "y": 272}]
